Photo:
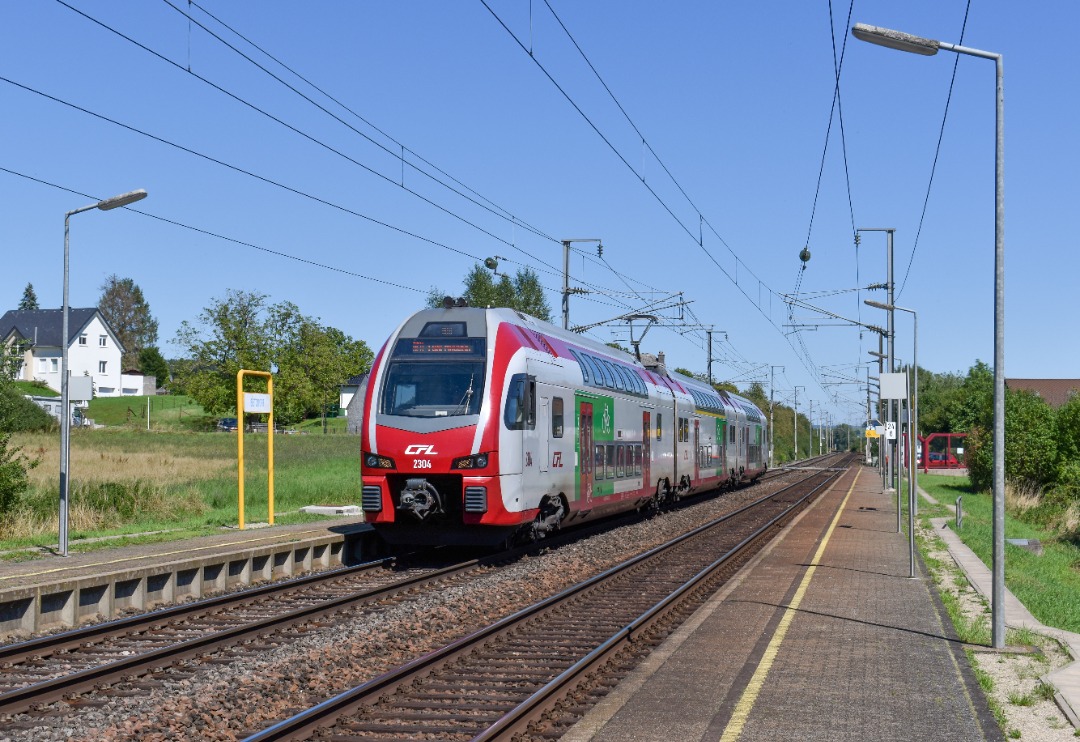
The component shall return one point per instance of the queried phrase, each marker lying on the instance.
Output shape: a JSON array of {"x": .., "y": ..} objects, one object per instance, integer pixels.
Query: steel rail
[
  {"x": 305, "y": 722},
  {"x": 54, "y": 689}
]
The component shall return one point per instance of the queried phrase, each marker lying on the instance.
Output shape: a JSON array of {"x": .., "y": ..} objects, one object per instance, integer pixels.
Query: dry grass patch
[{"x": 90, "y": 463}]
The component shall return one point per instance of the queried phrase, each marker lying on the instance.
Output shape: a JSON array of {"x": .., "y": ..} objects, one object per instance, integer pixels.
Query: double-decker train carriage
[{"x": 485, "y": 425}]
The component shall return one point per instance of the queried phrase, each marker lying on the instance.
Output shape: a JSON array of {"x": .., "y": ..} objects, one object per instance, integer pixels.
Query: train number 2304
[{"x": 421, "y": 464}]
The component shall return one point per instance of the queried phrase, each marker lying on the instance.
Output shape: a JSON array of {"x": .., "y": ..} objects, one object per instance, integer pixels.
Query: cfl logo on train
[{"x": 416, "y": 449}]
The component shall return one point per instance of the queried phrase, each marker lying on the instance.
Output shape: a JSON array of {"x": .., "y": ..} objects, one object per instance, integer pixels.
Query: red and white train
[{"x": 482, "y": 426}]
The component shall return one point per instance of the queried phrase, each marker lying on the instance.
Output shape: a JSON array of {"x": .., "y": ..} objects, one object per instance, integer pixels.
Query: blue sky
[{"x": 733, "y": 99}]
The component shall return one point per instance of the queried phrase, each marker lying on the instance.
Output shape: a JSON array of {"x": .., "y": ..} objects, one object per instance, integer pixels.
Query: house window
[
  {"x": 101, "y": 340},
  {"x": 101, "y": 366},
  {"x": 54, "y": 366},
  {"x": 82, "y": 339}
]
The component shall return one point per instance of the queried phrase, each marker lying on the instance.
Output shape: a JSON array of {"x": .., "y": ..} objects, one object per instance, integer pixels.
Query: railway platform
[
  {"x": 822, "y": 637},
  {"x": 54, "y": 593}
]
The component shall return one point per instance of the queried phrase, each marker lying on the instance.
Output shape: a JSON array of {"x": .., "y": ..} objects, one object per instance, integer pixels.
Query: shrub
[
  {"x": 19, "y": 415},
  {"x": 13, "y": 474}
]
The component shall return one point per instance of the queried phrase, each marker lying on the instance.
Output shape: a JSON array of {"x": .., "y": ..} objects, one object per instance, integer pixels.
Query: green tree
[
  {"x": 973, "y": 405},
  {"x": 1031, "y": 447},
  {"x": 227, "y": 336},
  {"x": 756, "y": 394},
  {"x": 152, "y": 363},
  {"x": 938, "y": 395},
  {"x": 243, "y": 331},
  {"x": 128, "y": 314},
  {"x": 1067, "y": 425},
  {"x": 29, "y": 298},
  {"x": 523, "y": 292}
]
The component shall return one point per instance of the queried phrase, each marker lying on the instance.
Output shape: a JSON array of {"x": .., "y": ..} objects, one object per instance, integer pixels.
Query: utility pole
[
  {"x": 868, "y": 415},
  {"x": 810, "y": 417},
  {"x": 772, "y": 407},
  {"x": 566, "y": 290},
  {"x": 797, "y": 421}
]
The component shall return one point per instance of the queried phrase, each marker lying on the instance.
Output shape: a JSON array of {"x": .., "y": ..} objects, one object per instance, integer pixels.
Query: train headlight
[
  {"x": 476, "y": 461},
  {"x": 374, "y": 461}
]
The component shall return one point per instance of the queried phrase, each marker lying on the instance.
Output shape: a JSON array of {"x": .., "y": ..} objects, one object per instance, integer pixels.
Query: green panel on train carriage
[
  {"x": 721, "y": 428},
  {"x": 603, "y": 431}
]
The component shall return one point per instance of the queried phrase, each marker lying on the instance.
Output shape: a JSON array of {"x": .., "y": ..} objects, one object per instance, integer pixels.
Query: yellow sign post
[{"x": 256, "y": 403}]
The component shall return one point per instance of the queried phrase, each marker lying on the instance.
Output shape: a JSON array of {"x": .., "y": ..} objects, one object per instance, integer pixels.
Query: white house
[{"x": 93, "y": 349}]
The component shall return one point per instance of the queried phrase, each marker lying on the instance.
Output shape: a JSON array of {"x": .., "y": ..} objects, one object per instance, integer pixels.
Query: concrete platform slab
[{"x": 823, "y": 637}]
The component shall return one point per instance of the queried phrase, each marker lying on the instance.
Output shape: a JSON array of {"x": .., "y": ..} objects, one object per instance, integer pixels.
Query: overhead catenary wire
[
  {"x": 804, "y": 354},
  {"x": 497, "y": 210},
  {"x": 208, "y": 233},
  {"x": 937, "y": 153}
]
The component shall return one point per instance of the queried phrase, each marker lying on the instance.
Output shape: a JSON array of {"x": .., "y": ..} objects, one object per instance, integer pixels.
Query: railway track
[
  {"x": 508, "y": 679},
  {"x": 132, "y": 656},
  {"x": 51, "y": 668},
  {"x": 48, "y": 669}
]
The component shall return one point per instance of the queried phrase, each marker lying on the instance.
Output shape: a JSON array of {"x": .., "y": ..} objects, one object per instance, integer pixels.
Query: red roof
[{"x": 1056, "y": 392}]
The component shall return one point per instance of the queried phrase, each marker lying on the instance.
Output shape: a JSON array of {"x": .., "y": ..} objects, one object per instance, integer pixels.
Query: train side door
[
  {"x": 585, "y": 453},
  {"x": 697, "y": 450},
  {"x": 646, "y": 450}
]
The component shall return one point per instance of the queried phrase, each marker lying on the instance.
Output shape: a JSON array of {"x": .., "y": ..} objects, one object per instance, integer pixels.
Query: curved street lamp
[
  {"x": 115, "y": 202},
  {"x": 928, "y": 47}
]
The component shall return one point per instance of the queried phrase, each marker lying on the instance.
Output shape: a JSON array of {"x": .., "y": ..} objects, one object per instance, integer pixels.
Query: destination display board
[{"x": 425, "y": 347}]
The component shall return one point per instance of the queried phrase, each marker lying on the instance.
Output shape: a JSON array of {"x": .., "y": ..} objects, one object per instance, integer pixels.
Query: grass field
[
  {"x": 167, "y": 412},
  {"x": 1049, "y": 585},
  {"x": 129, "y": 481}
]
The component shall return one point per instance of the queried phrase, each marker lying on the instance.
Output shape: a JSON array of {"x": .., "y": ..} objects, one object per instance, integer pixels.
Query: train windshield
[{"x": 433, "y": 388}]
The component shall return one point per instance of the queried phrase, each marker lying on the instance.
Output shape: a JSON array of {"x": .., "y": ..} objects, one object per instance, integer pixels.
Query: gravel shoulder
[{"x": 1012, "y": 679}]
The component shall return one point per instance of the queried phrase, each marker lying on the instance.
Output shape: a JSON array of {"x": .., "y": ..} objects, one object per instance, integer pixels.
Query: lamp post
[
  {"x": 65, "y": 419},
  {"x": 928, "y": 47},
  {"x": 913, "y": 425}
]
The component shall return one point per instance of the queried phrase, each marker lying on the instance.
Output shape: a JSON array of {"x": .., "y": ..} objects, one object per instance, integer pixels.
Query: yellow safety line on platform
[
  {"x": 132, "y": 559},
  {"x": 757, "y": 682}
]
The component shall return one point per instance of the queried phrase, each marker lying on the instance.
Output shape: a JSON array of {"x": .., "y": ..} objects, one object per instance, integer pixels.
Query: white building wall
[{"x": 84, "y": 359}]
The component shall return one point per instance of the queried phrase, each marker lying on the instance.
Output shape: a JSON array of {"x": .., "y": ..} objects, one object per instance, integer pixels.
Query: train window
[
  {"x": 585, "y": 375},
  {"x": 597, "y": 374},
  {"x": 520, "y": 411},
  {"x": 598, "y": 460},
  {"x": 444, "y": 330},
  {"x": 611, "y": 369},
  {"x": 609, "y": 461},
  {"x": 639, "y": 384},
  {"x": 620, "y": 377},
  {"x": 609, "y": 380},
  {"x": 659, "y": 426},
  {"x": 620, "y": 461},
  {"x": 556, "y": 417},
  {"x": 430, "y": 388},
  {"x": 637, "y": 460},
  {"x": 731, "y": 438}
]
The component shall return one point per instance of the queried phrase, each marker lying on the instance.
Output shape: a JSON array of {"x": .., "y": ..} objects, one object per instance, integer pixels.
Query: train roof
[{"x": 481, "y": 316}]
